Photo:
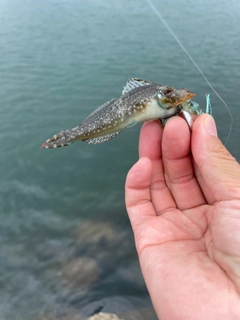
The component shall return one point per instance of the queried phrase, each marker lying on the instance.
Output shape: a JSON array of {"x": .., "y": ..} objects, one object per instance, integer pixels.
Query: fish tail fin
[{"x": 61, "y": 139}]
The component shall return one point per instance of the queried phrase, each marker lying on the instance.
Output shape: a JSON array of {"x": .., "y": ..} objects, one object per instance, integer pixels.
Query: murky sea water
[{"x": 66, "y": 244}]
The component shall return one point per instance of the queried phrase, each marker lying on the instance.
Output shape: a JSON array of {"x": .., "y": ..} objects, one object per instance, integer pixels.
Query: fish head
[{"x": 169, "y": 97}]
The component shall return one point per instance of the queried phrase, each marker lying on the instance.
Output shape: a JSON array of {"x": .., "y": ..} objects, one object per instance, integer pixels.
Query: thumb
[{"x": 217, "y": 167}]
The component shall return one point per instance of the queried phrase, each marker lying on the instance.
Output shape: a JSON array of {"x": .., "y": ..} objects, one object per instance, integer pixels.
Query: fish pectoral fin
[
  {"x": 135, "y": 83},
  {"x": 131, "y": 125},
  {"x": 101, "y": 139}
]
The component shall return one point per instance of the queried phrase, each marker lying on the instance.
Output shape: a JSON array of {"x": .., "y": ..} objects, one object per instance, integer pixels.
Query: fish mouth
[{"x": 176, "y": 97}]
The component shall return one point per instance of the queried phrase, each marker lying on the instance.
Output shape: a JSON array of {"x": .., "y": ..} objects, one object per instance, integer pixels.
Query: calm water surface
[{"x": 63, "y": 210}]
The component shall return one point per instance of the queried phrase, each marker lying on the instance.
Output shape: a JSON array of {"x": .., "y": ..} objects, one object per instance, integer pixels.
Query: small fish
[{"x": 140, "y": 101}]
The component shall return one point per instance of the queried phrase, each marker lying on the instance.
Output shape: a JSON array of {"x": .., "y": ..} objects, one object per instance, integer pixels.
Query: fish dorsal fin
[
  {"x": 100, "y": 108},
  {"x": 135, "y": 83},
  {"x": 101, "y": 139}
]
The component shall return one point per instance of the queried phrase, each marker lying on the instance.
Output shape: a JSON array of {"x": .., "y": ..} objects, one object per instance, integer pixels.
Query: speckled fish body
[{"x": 140, "y": 101}]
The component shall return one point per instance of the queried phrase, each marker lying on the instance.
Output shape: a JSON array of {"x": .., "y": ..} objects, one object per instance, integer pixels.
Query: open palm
[{"x": 183, "y": 200}]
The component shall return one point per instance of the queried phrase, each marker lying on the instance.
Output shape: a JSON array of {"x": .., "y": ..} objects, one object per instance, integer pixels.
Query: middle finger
[{"x": 150, "y": 146}]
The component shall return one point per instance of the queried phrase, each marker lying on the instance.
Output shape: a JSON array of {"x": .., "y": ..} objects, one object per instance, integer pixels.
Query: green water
[{"x": 59, "y": 60}]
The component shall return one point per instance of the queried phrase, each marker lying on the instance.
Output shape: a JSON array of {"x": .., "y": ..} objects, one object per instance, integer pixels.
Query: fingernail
[{"x": 210, "y": 126}]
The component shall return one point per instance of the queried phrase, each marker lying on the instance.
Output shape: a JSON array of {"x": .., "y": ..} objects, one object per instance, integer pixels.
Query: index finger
[{"x": 178, "y": 165}]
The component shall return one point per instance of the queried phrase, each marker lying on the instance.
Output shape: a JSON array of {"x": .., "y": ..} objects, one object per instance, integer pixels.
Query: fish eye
[{"x": 168, "y": 89}]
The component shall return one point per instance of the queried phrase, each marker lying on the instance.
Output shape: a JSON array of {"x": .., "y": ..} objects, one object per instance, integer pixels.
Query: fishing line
[{"x": 164, "y": 22}]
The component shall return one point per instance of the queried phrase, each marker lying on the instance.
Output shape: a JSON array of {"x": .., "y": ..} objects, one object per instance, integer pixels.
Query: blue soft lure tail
[
  {"x": 164, "y": 22},
  {"x": 191, "y": 109}
]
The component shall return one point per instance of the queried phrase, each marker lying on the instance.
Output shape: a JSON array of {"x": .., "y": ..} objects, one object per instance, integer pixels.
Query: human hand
[{"x": 183, "y": 201}]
